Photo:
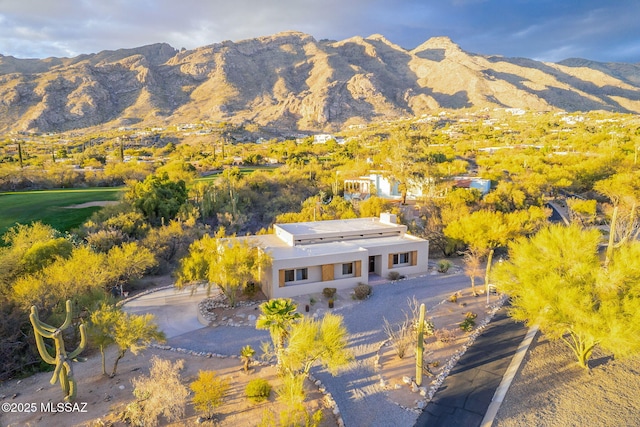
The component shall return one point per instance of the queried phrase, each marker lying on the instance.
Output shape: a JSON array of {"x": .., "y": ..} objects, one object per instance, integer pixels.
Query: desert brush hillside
[{"x": 290, "y": 80}]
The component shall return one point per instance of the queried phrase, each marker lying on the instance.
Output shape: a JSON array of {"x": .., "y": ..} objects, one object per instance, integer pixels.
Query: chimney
[{"x": 388, "y": 218}]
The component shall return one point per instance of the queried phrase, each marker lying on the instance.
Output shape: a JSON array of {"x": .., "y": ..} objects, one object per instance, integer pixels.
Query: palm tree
[
  {"x": 277, "y": 316},
  {"x": 246, "y": 353}
]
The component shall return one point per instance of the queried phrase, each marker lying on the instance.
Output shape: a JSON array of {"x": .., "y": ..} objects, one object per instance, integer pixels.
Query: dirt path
[{"x": 100, "y": 203}]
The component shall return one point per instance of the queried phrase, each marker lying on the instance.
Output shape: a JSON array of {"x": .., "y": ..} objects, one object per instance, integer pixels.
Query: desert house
[{"x": 310, "y": 256}]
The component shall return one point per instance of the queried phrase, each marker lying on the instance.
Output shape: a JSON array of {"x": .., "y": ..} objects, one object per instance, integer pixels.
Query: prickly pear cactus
[{"x": 63, "y": 371}]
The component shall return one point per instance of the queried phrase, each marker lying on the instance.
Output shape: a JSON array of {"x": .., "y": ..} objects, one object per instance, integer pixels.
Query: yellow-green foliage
[
  {"x": 556, "y": 279},
  {"x": 582, "y": 210},
  {"x": 292, "y": 417},
  {"x": 316, "y": 209},
  {"x": 134, "y": 332},
  {"x": 258, "y": 390},
  {"x": 84, "y": 270},
  {"x": 374, "y": 206},
  {"x": 230, "y": 263},
  {"x": 311, "y": 341},
  {"x": 210, "y": 391}
]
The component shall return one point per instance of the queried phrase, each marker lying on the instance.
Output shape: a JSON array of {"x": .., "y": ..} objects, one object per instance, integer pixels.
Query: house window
[
  {"x": 289, "y": 275},
  {"x": 347, "y": 269},
  {"x": 296, "y": 275},
  {"x": 302, "y": 274},
  {"x": 402, "y": 258}
]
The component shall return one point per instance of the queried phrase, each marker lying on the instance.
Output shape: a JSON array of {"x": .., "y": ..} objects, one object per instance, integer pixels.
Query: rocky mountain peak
[
  {"x": 289, "y": 80},
  {"x": 443, "y": 43}
]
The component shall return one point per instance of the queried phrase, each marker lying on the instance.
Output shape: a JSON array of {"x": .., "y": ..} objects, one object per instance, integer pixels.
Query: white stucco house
[
  {"x": 376, "y": 183},
  {"x": 310, "y": 256}
]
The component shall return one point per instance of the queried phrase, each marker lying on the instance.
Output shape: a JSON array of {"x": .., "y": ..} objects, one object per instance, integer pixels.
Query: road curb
[{"x": 507, "y": 378}]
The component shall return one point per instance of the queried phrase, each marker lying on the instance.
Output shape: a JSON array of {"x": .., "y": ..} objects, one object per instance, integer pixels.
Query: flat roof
[
  {"x": 347, "y": 226},
  {"x": 280, "y": 250}
]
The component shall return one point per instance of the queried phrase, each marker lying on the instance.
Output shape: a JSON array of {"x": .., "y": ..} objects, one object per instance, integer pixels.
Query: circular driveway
[
  {"x": 356, "y": 390},
  {"x": 176, "y": 310}
]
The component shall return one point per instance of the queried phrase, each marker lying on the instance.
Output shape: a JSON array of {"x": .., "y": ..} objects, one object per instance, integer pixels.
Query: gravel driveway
[{"x": 356, "y": 389}]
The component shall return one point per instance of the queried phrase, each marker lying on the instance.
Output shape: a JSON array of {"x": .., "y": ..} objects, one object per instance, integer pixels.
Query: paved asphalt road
[{"x": 465, "y": 395}]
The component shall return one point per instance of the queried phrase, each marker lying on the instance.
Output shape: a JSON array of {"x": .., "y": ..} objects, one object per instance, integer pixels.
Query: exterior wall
[
  {"x": 326, "y": 271},
  {"x": 384, "y": 187},
  {"x": 418, "y": 258},
  {"x": 307, "y": 258},
  {"x": 314, "y": 283},
  {"x": 484, "y": 185}
]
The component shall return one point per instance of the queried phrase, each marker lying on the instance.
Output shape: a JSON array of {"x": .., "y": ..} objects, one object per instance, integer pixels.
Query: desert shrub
[
  {"x": 209, "y": 392},
  {"x": 291, "y": 417},
  {"x": 445, "y": 335},
  {"x": 291, "y": 391},
  {"x": 469, "y": 322},
  {"x": 161, "y": 393},
  {"x": 329, "y": 292},
  {"x": 393, "y": 275},
  {"x": 414, "y": 315},
  {"x": 250, "y": 289},
  {"x": 258, "y": 390},
  {"x": 444, "y": 266},
  {"x": 401, "y": 338},
  {"x": 453, "y": 297},
  {"x": 362, "y": 291}
]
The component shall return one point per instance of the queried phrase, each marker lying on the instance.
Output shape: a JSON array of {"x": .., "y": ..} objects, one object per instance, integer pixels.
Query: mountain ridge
[{"x": 291, "y": 80}]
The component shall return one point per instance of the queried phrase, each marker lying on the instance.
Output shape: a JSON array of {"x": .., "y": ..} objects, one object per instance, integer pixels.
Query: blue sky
[{"x": 549, "y": 30}]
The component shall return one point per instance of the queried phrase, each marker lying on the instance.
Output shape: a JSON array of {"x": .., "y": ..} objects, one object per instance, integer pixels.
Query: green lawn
[
  {"x": 244, "y": 170},
  {"x": 48, "y": 206}
]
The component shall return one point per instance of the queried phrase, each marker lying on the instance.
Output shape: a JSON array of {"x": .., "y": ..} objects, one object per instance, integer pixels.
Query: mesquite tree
[{"x": 557, "y": 280}]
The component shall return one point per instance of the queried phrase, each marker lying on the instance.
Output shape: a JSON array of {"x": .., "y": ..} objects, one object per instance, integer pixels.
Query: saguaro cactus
[
  {"x": 63, "y": 371},
  {"x": 420, "y": 346}
]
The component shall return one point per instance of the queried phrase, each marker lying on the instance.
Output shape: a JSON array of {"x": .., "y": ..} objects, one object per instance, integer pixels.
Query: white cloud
[{"x": 43, "y": 28}]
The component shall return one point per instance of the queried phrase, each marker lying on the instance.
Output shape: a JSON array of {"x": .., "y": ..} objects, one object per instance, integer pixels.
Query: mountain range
[{"x": 292, "y": 81}]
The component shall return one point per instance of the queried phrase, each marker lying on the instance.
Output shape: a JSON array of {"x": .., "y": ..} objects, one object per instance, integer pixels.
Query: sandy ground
[
  {"x": 92, "y": 204},
  {"x": 552, "y": 390},
  {"x": 106, "y": 398}
]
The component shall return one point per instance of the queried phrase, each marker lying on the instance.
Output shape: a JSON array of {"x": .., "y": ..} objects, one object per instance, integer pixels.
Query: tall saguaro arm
[{"x": 63, "y": 371}]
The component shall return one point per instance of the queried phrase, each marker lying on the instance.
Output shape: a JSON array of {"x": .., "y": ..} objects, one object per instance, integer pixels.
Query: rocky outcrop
[{"x": 292, "y": 80}]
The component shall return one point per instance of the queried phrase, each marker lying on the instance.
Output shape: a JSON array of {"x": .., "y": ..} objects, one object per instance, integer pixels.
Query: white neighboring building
[
  {"x": 385, "y": 187},
  {"x": 310, "y": 256},
  {"x": 322, "y": 138}
]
